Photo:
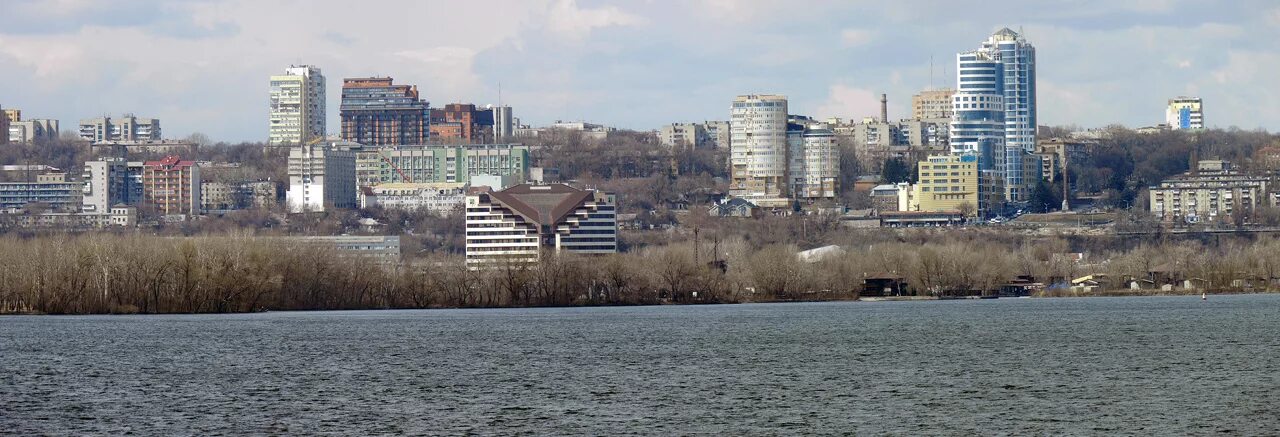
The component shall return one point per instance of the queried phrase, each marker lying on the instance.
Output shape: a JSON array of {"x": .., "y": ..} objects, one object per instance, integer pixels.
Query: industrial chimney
[{"x": 884, "y": 108}]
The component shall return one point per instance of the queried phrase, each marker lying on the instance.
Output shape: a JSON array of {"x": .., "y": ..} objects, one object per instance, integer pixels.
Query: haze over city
[{"x": 202, "y": 65}]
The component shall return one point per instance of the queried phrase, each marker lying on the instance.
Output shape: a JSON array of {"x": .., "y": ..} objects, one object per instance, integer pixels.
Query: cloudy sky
[{"x": 203, "y": 66}]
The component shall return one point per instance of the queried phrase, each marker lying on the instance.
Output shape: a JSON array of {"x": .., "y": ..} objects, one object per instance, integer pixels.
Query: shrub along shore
[{"x": 105, "y": 273}]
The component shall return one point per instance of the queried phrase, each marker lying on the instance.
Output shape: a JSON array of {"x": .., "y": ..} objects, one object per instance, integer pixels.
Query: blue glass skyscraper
[{"x": 1005, "y": 66}]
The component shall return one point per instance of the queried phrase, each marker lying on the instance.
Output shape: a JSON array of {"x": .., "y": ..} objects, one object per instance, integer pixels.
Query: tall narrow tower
[
  {"x": 884, "y": 108},
  {"x": 758, "y": 148},
  {"x": 1004, "y": 66}
]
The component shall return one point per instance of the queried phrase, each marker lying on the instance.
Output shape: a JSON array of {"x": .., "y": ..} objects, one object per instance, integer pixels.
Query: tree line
[{"x": 103, "y": 273}]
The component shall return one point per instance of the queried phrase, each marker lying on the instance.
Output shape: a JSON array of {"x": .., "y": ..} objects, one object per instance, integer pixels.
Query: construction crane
[{"x": 387, "y": 160}]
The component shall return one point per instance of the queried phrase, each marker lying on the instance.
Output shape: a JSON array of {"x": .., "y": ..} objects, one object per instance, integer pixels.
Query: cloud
[
  {"x": 848, "y": 102},
  {"x": 567, "y": 19}
]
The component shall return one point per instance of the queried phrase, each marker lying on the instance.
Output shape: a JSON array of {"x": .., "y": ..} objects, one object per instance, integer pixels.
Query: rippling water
[{"x": 1155, "y": 365}]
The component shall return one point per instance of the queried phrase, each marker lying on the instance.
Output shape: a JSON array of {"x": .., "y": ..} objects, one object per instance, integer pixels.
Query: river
[{"x": 1142, "y": 365}]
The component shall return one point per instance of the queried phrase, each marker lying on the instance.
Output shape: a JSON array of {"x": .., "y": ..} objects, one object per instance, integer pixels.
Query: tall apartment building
[
  {"x": 32, "y": 131},
  {"x": 1214, "y": 192},
  {"x": 1004, "y": 67},
  {"x": 126, "y": 128},
  {"x": 297, "y": 105},
  {"x": 321, "y": 176},
  {"x": 932, "y": 104},
  {"x": 758, "y": 149},
  {"x": 4, "y": 125},
  {"x": 519, "y": 223},
  {"x": 1185, "y": 113},
  {"x": 110, "y": 182},
  {"x": 377, "y": 112},
  {"x": 439, "y": 164},
  {"x": 171, "y": 186},
  {"x": 814, "y": 162},
  {"x": 504, "y": 124},
  {"x": 50, "y": 189}
]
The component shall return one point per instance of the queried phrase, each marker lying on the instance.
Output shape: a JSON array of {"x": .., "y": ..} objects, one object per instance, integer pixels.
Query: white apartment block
[
  {"x": 297, "y": 106},
  {"x": 814, "y": 163},
  {"x": 320, "y": 177},
  {"x": 1185, "y": 113},
  {"x": 758, "y": 149},
  {"x": 439, "y": 198},
  {"x": 519, "y": 223}
]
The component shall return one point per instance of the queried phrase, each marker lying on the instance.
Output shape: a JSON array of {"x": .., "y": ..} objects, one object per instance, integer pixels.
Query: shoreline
[{"x": 868, "y": 299}]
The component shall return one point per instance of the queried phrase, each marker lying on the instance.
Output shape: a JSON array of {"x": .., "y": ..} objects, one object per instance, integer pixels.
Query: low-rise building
[
  {"x": 891, "y": 197},
  {"x": 377, "y": 248},
  {"x": 116, "y": 216},
  {"x": 519, "y": 223},
  {"x": 52, "y": 190},
  {"x": 439, "y": 163},
  {"x": 1213, "y": 192},
  {"x": 1057, "y": 153},
  {"x": 437, "y": 197}
]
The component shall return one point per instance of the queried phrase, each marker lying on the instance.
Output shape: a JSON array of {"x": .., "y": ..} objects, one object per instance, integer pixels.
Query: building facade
[
  {"x": 437, "y": 198},
  {"x": 1185, "y": 113},
  {"x": 52, "y": 190},
  {"x": 1213, "y": 193},
  {"x": 999, "y": 76},
  {"x": 932, "y": 104},
  {"x": 171, "y": 186},
  {"x": 126, "y": 128},
  {"x": 297, "y": 106},
  {"x": 377, "y": 112},
  {"x": 439, "y": 164},
  {"x": 950, "y": 183},
  {"x": 814, "y": 163},
  {"x": 110, "y": 182},
  {"x": 321, "y": 176},
  {"x": 518, "y": 224},
  {"x": 32, "y": 131},
  {"x": 758, "y": 149}
]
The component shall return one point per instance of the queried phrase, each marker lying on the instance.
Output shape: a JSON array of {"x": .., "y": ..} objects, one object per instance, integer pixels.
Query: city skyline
[{"x": 635, "y": 66}]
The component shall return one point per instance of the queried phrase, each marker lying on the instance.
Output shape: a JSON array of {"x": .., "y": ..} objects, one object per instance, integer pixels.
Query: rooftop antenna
[{"x": 930, "y": 72}]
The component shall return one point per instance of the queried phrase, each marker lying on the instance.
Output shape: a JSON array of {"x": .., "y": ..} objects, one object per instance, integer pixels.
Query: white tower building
[{"x": 297, "y": 106}]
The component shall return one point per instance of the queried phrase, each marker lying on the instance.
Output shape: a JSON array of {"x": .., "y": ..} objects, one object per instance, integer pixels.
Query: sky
[{"x": 204, "y": 65}]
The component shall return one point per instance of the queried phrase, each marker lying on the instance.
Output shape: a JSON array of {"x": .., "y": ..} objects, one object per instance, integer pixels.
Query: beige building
[
  {"x": 518, "y": 224},
  {"x": 758, "y": 149},
  {"x": 949, "y": 183},
  {"x": 932, "y": 104},
  {"x": 1212, "y": 193},
  {"x": 31, "y": 131}
]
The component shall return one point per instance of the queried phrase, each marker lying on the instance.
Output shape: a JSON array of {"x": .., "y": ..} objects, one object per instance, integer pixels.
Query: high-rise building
[
  {"x": 321, "y": 176},
  {"x": 110, "y": 182},
  {"x": 463, "y": 123},
  {"x": 30, "y": 131},
  {"x": 504, "y": 126},
  {"x": 932, "y": 104},
  {"x": 758, "y": 143},
  {"x": 297, "y": 106},
  {"x": 126, "y": 129},
  {"x": 12, "y": 114},
  {"x": 1184, "y": 113},
  {"x": 1004, "y": 67},
  {"x": 377, "y": 112},
  {"x": 4, "y": 126},
  {"x": 171, "y": 186},
  {"x": 814, "y": 164},
  {"x": 519, "y": 223}
]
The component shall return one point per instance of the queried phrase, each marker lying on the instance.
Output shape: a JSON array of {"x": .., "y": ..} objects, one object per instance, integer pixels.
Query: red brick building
[{"x": 171, "y": 186}]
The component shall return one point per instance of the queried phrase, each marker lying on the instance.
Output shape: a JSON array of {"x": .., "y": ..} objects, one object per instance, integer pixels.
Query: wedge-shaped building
[{"x": 519, "y": 223}]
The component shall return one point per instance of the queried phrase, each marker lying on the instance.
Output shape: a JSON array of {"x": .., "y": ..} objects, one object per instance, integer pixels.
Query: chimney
[{"x": 884, "y": 108}]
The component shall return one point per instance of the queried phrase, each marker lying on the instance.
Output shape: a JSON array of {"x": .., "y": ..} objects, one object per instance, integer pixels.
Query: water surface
[{"x": 1151, "y": 365}]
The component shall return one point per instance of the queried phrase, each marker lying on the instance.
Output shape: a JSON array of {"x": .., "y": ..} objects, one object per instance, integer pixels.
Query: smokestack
[{"x": 884, "y": 108}]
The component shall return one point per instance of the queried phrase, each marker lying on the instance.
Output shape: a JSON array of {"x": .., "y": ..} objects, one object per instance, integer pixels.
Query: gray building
[
  {"x": 31, "y": 131},
  {"x": 321, "y": 176},
  {"x": 126, "y": 128},
  {"x": 109, "y": 182},
  {"x": 51, "y": 189}
]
